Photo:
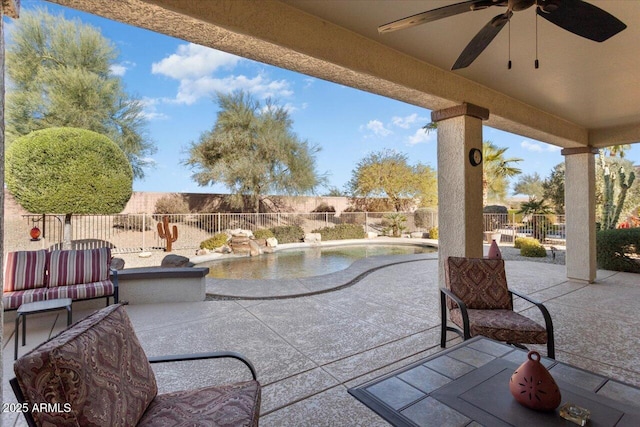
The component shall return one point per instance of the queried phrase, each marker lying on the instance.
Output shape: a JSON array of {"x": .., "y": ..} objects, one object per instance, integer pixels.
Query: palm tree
[
  {"x": 537, "y": 209},
  {"x": 618, "y": 150},
  {"x": 496, "y": 170}
]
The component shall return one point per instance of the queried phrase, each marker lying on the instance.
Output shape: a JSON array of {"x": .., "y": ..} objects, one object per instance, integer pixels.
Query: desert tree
[
  {"x": 529, "y": 185},
  {"x": 253, "y": 151},
  {"x": 59, "y": 74},
  {"x": 388, "y": 174},
  {"x": 68, "y": 171}
]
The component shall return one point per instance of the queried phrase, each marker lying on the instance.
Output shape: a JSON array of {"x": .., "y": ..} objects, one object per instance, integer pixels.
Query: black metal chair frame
[
  {"x": 465, "y": 333},
  {"x": 158, "y": 359}
]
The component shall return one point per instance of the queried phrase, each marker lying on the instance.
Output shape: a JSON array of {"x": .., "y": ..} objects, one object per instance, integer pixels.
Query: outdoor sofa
[{"x": 41, "y": 275}]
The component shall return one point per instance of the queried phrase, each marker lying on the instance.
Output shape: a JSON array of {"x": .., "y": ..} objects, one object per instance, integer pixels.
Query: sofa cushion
[
  {"x": 78, "y": 266},
  {"x": 82, "y": 291},
  {"x": 97, "y": 366},
  {"x": 226, "y": 405},
  {"x": 24, "y": 270},
  {"x": 13, "y": 300},
  {"x": 480, "y": 283}
]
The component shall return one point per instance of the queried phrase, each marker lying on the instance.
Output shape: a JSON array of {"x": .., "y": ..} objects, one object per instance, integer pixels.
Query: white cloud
[
  {"x": 150, "y": 111},
  {"x": 194, "y": 66},
  {"x": 193, "y": 61},
  {"x": 538, "y": 147},
  {"x": 420, "y": 136},
  {"x": 404, "y": 122},
  {"x": 118, "y": 70},
  {"x": 377, "y": 127}
]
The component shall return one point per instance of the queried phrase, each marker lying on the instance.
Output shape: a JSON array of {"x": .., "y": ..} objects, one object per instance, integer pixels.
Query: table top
[
  {"x": 40, "y": 306},
  {"x": 468, "y": 385}
]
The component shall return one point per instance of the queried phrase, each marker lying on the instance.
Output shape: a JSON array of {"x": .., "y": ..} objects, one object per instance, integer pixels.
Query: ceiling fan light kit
[{"x": 576, "y": 16}]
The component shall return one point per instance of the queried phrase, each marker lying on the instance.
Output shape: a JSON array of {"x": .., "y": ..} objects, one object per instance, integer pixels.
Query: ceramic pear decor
[{"x": 533, "y": 386}]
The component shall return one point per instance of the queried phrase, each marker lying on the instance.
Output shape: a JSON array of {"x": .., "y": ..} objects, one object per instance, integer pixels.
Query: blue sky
[{"x": 178, "y": 80}]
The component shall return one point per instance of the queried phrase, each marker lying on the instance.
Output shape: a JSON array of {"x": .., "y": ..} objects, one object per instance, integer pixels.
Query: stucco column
[
  {"x": 7, "y": 8},
  {"x": 460, "y": 223},
  {"x": 580, "y": 210}
]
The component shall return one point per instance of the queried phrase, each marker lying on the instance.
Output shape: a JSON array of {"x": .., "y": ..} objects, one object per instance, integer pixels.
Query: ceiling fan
[{"x": 576, "y": 16}]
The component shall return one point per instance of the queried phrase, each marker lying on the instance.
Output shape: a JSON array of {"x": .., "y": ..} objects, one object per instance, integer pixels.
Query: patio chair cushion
[
  {"x": 97, "y": 366},
  {"x": 226, "y": 405},
  {"x": 13, "y": 300},
  {"x": 82, "y": 291},
  {"x": 78, "y": 266},
  {"x": 24, "y": 270},
  {"x": 480, "y": 283},
  {"x": 502, "y": 325}
]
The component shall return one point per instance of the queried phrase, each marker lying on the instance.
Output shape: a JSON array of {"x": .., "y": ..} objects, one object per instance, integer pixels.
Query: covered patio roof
[{"x": 584, "y": 93}]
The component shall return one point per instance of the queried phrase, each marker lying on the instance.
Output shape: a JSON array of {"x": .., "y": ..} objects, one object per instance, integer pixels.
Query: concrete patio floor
[{"x": 309, "y": 350}]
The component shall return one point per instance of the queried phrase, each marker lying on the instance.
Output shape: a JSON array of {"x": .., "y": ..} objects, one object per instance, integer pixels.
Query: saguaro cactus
[{"x": 165, "y": 233}]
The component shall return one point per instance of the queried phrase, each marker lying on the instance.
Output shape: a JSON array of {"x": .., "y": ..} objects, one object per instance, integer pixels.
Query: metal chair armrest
[
  {"x": 203, "y": 356},
  {"x": 114, "y": 274},
  {"x": 547, "y": 320},
  {"x": 463, "y": 310}
]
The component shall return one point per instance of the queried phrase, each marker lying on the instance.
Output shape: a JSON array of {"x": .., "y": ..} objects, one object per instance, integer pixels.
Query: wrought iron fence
[{"x": 139, "y": 232}]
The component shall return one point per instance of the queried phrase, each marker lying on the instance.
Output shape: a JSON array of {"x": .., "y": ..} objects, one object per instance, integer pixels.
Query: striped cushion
[
  {"x": 81, "y": 291},
  {"x": 13, "y": 300},
  {"x": 75, "y": 267},
  {"x": 24, "y": 270}
]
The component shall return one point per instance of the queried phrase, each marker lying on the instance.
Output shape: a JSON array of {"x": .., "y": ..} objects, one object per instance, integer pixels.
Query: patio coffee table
[
  {"x": 38, "y": 307},
  {"x": 468, "y": 385}
]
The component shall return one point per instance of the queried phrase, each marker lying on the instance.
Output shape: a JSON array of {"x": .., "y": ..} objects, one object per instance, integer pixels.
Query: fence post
[
  {"x": 144, "y": 231},
  {"x": 326, "y": 219},
  {"x": 366, "y": 222}
]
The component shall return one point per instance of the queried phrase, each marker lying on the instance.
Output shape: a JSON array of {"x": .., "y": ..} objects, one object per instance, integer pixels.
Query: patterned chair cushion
[
  {"x": 24, "y": 270},
  {"x": 78, "y": 266},
  {"x": 97, "y": 366},
  {"x": 502, "y": 325},
  {"x": 227, "y": 405},
  {"x": 13, "y": 300},
  {"x": 82, "y": 291},
  {"x": 479, "y": 283}
]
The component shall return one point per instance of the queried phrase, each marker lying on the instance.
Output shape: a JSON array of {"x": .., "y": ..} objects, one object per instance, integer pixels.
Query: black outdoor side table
[{"x": 38, "y": 307}]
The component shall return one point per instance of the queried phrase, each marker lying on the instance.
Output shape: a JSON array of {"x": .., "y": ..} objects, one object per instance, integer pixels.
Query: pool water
[{"x": 295, "y": 263}]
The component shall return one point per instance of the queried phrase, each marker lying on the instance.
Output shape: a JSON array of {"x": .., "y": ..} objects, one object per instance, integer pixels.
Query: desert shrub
[
  {"x": 422, "y": 217},
  {"x": 216, "y": 241},
  {"x": 263, "y": 233},
  {"x": 171, "y": 204},
  {"x": 288, "y": 233},
  {"x": 433, "y": 233},
  {"x": 323, "y": 207},
  {"x": 532, "y": 249},
  {"x": 341, "y": 232},
  {"x": 133, "y": 222},
  {"x": 521, "y": 241},
  {"x": 618, "y": 249}
]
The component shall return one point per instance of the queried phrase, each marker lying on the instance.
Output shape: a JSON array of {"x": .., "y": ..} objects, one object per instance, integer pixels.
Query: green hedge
[
  {"x": 533, "y": 250},
  {"x": 614, "y": 248},
  {"x": 263, "y": 233},
  {"x": 521, "y": 241},
  {"x": 341, "y": 232},
  {"x": 288, "y": 233},
  {"x": 216, "y": 241}
]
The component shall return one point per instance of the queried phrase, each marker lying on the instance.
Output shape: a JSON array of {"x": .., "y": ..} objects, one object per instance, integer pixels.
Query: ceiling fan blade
[
  {"x": 480, "y": 42},
  {"x": 440, "y": 13},
  {"x": 584, "y": 19}
]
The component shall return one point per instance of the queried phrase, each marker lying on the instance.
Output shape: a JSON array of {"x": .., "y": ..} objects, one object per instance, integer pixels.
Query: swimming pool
[{"x": 296, "y": 263}]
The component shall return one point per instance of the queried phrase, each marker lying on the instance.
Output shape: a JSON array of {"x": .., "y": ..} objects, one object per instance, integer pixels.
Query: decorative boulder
[
  {"x": 272, "y": 242},
  {"x": 201, "y": 252},
  {"x": 239, "y": 232},
  {"x": 312, "y": 238},
  {"x": 176, "y": 261},
  {"x": 372, "y": 235},
  {"x": 419, "y": 235},
  {"x": 254, "y": 249},
  {"x": 117, "y": 263}
]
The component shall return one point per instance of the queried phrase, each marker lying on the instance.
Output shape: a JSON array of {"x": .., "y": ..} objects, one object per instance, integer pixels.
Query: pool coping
[{"x": 267, "y": 289}]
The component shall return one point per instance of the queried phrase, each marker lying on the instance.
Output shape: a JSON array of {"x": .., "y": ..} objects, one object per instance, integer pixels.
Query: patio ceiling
[{"x": 584, "y": 93}]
